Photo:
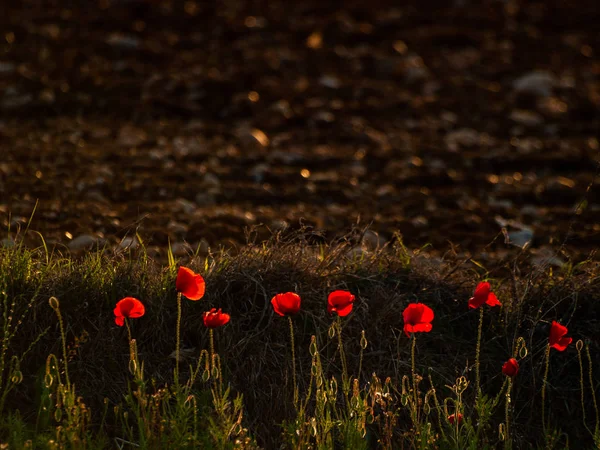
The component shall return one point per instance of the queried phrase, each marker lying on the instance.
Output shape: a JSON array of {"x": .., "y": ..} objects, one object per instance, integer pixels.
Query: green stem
[
  {"x": 293, "y": 344},
  {"x": 177, "y": 336},
  {"x": 345, "y": 379},
  {"x": 544, "y": 382},
  {"x": 414, "y": 377},
  {"x": 477, "y": 352},
  {"x": 589, "y": 358},
  {"x": 63, "y": 338},
  {"x": 507, "y": 442},
  {"x": 128, "y": 330}
]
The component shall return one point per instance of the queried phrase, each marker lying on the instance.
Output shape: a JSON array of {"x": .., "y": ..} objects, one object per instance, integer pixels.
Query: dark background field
[
  {"x": 443, "y": 120},
  {"x": 194, "y": 122}
]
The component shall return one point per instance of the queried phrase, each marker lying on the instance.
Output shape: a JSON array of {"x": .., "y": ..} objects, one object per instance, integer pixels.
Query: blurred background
[{"x": 469, "y": 125}]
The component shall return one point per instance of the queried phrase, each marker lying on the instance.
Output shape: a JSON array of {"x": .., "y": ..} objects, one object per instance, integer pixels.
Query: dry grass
[{"x": 254, "y": 346}]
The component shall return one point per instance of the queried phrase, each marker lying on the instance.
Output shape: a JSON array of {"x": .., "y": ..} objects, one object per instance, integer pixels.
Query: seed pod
[
  {"x": 313, "y": 345},
  {"x": 54, "y": 303},
  {"x": 331, "y": 331},
  {"x": 363, "y": 340}
]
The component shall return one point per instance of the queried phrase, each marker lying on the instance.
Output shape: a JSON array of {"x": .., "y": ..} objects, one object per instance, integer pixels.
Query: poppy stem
[
  {"x": 544, "y": 382},
  {"x": 414, "y": 377},
  {"x": 595, "y": 402},
  {"x": 579, "y": 347},
  {"x": 293, "y": 345},
  {"x": 177, "y": 337},
  {"x": 128, "y": 329},
  {"x": 477, "y": 352},
  {"x": 211, "y": 335},
  {"x": 507, "y": 441},
  {"x": 63, "y": 338},
  {"x": 345, "y": 381}
]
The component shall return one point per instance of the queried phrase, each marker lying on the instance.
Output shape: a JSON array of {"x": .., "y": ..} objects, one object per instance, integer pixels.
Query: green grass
[{"x": 109, "y": 404}]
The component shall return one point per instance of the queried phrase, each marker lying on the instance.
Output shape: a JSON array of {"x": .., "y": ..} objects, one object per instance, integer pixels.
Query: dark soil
[{"x": 195, "y": 121}]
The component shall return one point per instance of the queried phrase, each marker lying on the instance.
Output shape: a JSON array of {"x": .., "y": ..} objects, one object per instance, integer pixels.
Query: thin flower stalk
[
  {"x": 177, "y": 338},
  {"x": 544, "y": 382},
  {"x": 293, "y": 345},
  {"x": 594, "y": 400},
  {"x": 477, "y": 354}
]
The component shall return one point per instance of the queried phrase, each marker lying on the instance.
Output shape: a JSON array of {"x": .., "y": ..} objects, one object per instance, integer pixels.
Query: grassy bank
[{"x": 106, "y": 401}]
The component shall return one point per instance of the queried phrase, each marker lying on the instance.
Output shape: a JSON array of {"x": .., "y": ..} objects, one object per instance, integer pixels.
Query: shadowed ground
[{"x": 192, "y": 121}]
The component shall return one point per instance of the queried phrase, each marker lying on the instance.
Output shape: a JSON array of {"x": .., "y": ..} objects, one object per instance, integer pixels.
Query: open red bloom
[
  {"x": 288, "y": 303},
  {"x": 483, "y": 294},
  {"x": 557, "y": 337},
  {"x": 340, "y": 302},
  {"x": 510, "y": 367},
  {"x": 190, "y": 284},
  {"x": 214, "y": 318},
  {"x": 128, "y": 307},
  {"x": 451, "y": 418},
  {"x": 417, "y": 318}
]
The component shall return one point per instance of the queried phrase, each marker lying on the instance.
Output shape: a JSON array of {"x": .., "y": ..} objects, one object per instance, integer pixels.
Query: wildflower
[
  {"x": 340, "y": 302},
  {"x": 214, "y": 318},
  {"x": 190, "y": 284},
  {"x": 288, "y": 303},
  {"x": 483, "y": 294},
  {"x": 417, "y": 318},
  {"x": 451, "y": 418},
  {"x": 128, "y": 307},
  {"x": 510, "y": 368},
  {"x": 557, "y": 337}
]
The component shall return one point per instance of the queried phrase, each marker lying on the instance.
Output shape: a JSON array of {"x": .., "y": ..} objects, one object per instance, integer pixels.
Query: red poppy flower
[
  {"x": 483, "y": 294},
  {"x": 190, "y": 284},
  {"x": 288, "y": 303},
  {"x": 417, "y": 318},
  {"x": 452, "y": 416},
  {"x": 128, "y": 307},
  {"x": 557, "y": 337},
  {"x": 214, "y": 318},
  {"x": 340, "y": 302},
  {"x": 510, "y": 367}
]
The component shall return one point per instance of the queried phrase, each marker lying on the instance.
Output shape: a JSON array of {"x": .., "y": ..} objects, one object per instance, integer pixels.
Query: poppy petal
[
  {"x": 562, "y": 344},
  {"x": 422, "y": 327},
  {"x": 426, "y": 314},
  {"x": 120, "y": 320},
  {"x": 275, "y": 304},
  {"x": 492, "y": 300},
  {"x": 474, "y": 303},
  {"x": 345, "y": 310},
  {"x": 190, "y": 284}
]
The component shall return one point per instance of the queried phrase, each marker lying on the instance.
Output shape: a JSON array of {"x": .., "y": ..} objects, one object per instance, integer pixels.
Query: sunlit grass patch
[{"x": 346, "y": 370}]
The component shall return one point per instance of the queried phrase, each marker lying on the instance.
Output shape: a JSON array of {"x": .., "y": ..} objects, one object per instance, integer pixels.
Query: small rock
[
  {"x": 83, "y": 242},
  {"x": 130, "y": 136},
  {"x": 463, "y": 137},
  {"x": 520, "y": 238},
  {"x": 177, "y": 228},
  {"x": 124, "y": 41},
  {"x": 7, "y": 243},
  {"x": 129, "y": 243},
  {"x": 186, "y": 206},
  {"x": 526, "y": 118},
  {"x": 538, "y": 83},
  {"x": 181, "y": 249},
  {"x": 205, "y": 199},
  {"x": 258, "y": 172},
  {"x": 211, "y": 180},
  {"x": 330, "y": 82},
  {"x": 6, "y": 67},
  {"x": 372, "y": 240}
]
